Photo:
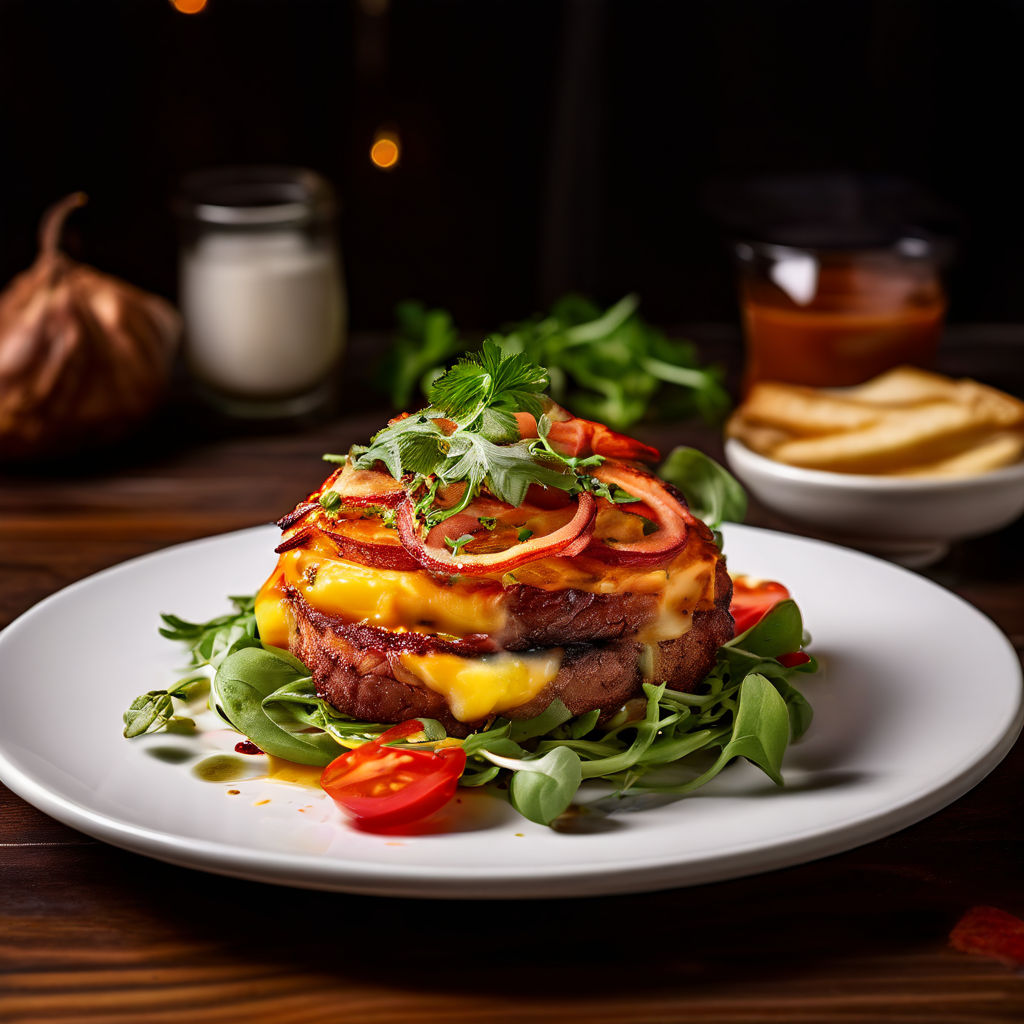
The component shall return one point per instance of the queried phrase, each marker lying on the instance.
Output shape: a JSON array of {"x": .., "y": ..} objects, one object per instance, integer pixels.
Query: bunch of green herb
[
  {"x": 608, "y": 365},
  {"x": 479, "y": 395}
]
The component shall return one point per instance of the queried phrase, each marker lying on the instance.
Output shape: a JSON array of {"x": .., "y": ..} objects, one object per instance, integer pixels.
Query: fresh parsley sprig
[
  {"x": 469, "y": 435},
  {"x": 481, "y": 392}
]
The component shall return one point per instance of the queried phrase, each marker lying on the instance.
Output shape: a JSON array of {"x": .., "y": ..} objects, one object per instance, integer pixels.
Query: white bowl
[{"x": 911, "y": 520}]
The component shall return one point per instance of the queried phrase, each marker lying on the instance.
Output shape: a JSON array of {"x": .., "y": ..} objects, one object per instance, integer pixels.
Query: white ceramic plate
[{"x": 919, "y": 699}]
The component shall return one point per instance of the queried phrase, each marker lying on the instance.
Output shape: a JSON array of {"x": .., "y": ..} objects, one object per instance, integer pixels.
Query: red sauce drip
[{"x": 247, "y": 747}]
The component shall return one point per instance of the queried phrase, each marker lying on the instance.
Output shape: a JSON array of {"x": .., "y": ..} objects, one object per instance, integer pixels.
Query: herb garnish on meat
[{"x": 469, "y": 435}]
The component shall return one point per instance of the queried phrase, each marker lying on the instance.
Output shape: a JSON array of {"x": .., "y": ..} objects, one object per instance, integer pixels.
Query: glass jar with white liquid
[{"x": 261, "y": 288}]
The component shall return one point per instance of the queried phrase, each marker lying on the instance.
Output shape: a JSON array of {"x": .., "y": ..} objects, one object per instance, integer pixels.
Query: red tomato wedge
[
  {"x": 753, "y": 599},
  {"x": 383, "y": 787},
  {"x": 578, "y": 437}
]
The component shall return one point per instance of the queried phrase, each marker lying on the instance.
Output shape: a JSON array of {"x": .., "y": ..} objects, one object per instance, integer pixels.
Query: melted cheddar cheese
[
  {"x": 416, "y": 600},
  {"x": 477, "y": 687},
  {"x": 686, "y": 588},
  {"x": 273, "y": 612},
  {"x": 392, "y": 598}
]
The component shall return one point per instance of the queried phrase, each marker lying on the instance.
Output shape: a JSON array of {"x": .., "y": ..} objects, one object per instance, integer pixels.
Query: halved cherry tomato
[
  {"x": 382, "y": 786},
  {"x": 753, "y": 599}
]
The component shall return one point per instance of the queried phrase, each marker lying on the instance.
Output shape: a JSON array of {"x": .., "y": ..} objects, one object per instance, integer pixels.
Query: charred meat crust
[{"x": 551, "y": 618}]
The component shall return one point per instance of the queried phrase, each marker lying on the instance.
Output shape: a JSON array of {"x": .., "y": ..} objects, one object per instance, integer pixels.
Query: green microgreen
[
  {"x": 458, "y": 543},
  {"x": 483, "y": 390}
]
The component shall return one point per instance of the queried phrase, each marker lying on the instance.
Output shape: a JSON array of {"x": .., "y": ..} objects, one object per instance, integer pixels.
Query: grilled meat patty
[{"x": 358, "y": 669}]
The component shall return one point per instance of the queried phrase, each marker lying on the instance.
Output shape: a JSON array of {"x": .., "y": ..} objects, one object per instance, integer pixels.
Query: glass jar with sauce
[{"x": 833, "y": 316}]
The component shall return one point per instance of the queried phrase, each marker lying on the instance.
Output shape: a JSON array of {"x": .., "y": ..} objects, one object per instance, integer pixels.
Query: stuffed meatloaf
[{"x": 499, "y": 608}]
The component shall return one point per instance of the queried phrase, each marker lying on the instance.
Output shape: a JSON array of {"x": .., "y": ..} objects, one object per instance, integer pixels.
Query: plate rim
[{"x": 518, "y": 881}]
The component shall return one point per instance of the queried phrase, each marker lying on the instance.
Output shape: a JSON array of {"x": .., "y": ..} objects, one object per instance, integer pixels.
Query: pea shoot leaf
[
  {"x": 542, "y": 787},
  {"x": 244, "y": 679}
]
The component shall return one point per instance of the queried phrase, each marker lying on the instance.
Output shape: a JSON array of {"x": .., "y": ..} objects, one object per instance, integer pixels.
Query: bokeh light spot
[{"x": 385, "y": 151}]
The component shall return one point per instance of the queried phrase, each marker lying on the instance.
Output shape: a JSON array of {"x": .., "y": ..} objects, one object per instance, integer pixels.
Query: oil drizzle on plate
[
  {"x": 289, "y": 771},
  {"x": 221, "y": 768}
]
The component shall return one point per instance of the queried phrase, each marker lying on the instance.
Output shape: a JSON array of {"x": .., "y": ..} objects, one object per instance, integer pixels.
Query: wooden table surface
[{"x": 91, "y": 933}]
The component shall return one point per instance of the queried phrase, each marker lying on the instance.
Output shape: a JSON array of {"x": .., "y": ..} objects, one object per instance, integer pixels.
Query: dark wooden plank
[{"x": 766, "y": 948}]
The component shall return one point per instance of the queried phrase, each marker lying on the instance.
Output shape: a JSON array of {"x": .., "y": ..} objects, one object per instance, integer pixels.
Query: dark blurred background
[{"x": 544, "y": 144}]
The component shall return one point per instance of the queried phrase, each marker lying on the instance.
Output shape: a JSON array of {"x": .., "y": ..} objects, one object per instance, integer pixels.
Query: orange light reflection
[
  {"x": 385, "y": 151},
  {"x": 188, "y": 6}
]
